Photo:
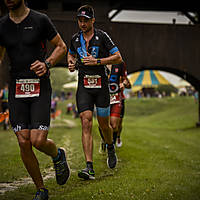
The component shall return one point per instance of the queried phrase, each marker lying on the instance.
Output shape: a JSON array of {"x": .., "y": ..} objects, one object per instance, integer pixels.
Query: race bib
[
  {"x": 115, "y": 98},
  {"x": 92, "y": 81},
  {"x": 27, "y": 88}
]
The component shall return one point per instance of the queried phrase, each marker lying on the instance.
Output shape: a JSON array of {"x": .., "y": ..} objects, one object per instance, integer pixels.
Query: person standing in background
[{"x": 4, "y": 105}]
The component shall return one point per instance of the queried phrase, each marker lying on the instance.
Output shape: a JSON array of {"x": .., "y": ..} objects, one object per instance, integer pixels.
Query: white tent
[{"x": 182, "y": 84}]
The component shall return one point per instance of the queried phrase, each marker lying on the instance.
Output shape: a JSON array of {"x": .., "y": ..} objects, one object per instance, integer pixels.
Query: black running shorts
[
  {"x": 86, "y": 98},
  {"x": 31, "y": 112}
]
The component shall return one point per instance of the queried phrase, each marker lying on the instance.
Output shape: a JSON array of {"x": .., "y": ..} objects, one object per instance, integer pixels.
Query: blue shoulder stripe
[{"x": 113, "y": 50}]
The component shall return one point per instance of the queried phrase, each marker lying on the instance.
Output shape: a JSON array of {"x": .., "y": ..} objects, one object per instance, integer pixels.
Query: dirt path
[
  {"x": 49, "y": 173},
  {"x": 4, "y": 187}
]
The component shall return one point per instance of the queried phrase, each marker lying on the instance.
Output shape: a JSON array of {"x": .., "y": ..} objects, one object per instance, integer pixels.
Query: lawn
[{"x": 159, "y": 159}]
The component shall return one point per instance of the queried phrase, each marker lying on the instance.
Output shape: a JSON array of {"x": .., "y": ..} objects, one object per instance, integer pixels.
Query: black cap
[{"x": 86, "y": 11}]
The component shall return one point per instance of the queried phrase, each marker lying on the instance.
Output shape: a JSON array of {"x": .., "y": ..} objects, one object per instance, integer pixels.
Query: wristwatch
[
  {"x": 48, "y": 64},
  {"x": 98, "y": 61}
]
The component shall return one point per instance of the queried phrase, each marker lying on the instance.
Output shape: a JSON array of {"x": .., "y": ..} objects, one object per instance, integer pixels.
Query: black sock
[
  {"x": 101, "y": 134},
  {"x": 114, "y": 137},
  {"x": 89, "y": 165},
  {"x": 57, "y": 158}
]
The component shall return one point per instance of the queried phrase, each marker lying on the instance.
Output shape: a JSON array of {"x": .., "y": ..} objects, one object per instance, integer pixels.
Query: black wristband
[
  {"x": 48, "y": 64},
  {"x": 98, "y": 61}
]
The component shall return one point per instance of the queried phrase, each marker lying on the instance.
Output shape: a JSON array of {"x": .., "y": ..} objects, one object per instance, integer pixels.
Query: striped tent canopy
[{"x": 147, "y": 79}]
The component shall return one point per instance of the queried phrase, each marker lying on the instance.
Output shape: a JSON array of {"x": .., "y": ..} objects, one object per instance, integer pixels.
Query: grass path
[{"x": 159, "y": 159}]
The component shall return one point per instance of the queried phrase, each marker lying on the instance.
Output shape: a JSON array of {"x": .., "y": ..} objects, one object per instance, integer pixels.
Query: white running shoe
[{"x": 119, "y": 143}]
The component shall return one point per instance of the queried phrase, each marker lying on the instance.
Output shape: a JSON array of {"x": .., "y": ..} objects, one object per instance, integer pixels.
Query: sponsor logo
[
  {"x": 42, "y": 127},
  {"x": 95, "y": 51},
  {"x": 113, "y": 88},
  {"x": 17, "y": 128},
  {"x": 28, "y": 28}
]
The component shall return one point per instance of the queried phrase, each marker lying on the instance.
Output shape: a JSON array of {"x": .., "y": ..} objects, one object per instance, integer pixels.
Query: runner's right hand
[{"x": 71, "y": 66}]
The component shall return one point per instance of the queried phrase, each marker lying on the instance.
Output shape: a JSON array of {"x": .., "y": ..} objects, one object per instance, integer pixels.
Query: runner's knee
[
  {"x": 114, "y": 126},
  {"x": 38, "y": 138},
  {"x": 105, "y": 128},
  {"x": 23, "y": 139},
  {"x": 86, "y": 123},
  {"x": 86, "y": 119}
]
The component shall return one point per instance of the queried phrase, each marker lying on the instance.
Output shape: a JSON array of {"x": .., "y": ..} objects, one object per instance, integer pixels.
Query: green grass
[{"x": 159, "y": 159}]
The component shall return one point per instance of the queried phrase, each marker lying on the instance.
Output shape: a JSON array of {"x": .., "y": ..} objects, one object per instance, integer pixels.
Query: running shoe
[
  {"x": 112, "y": 158},
  {"x": 119, "y": 142},
  {"x": 86, "y": 174},
  {"x": 114, "y": 137},
  {"x": 62, "y": 168},
  {"x": 41, "y": 194},
  {"x": 102, "y": 148}
]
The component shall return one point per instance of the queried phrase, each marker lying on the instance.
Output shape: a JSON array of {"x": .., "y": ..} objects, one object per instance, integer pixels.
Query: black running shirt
[
  {"x": 100, "y": 46},
  {"x": 118, "y": 71},
  {"x": 26, "y": 42}
]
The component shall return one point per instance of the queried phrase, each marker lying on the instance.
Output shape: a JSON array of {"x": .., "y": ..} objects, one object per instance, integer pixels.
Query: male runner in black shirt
[
  {"x": 23, "y": 34},
  {"x": 91, "y": 49}
]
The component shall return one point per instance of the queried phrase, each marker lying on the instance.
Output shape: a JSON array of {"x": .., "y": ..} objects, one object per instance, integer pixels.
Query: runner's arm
[
  {"x": 115, "y": 58},
  {"x": 125, "y": 80},
  {"x": 126, "y": 83},
  {"x": 1, "y": 93},
  {"x": 71, "y": 62},
  {"x": 59, "y": 51},
  {"x": 2, "y": 53},
  {"x": 40, "y": 68}
]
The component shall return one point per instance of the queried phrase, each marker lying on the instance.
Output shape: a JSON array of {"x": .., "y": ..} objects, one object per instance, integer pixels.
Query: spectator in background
[
  {"x": 53, "y": 108},
  {"x": 4, "y": 105},
  {"x": 196, "y": 96}
]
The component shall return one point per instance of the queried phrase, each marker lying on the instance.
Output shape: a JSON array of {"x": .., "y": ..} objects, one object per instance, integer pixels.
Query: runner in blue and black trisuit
[
  {"x": 23, "y": 34},
  {"x": 90, "y": 51}
]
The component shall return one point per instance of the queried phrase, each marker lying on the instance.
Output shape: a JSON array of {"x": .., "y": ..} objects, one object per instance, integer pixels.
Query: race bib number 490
[
  {"x": 27, "y": 88},
  {"x": 92, "y": 81}
]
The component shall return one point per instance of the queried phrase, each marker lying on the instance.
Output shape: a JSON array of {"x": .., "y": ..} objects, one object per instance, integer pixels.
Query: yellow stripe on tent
[
  {"x": 160, "y": 78},
  {"x": 146, "y": 79},
  {"x": 134, "y": 77}
]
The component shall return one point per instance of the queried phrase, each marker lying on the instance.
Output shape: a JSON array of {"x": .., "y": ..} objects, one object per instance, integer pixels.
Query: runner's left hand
[
  {"x": 39, "y": 68},
  {"x": 89, "y": 60}
]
